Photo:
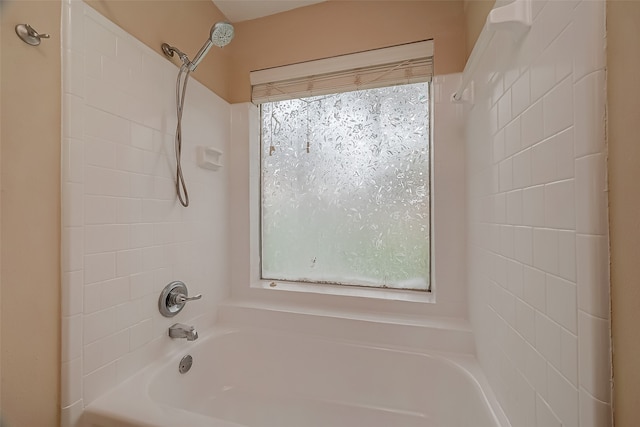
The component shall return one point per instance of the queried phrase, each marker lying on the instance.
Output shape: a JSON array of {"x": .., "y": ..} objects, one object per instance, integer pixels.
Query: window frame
[{"x": 256, "y": 176}]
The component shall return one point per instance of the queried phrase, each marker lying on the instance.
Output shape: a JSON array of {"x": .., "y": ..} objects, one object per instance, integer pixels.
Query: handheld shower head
[{"x": 221, "y": 35}]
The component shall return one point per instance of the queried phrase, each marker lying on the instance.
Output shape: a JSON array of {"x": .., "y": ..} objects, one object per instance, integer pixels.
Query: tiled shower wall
[
  {"x": 125, "y": 236},
  {"x": 537, "y": 200}
]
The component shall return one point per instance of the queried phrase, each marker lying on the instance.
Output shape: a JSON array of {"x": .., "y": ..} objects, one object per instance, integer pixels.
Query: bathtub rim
[{"x": 114, "y": 407}]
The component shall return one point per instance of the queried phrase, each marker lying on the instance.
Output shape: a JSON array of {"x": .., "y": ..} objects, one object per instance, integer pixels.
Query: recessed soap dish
[{"x": 208, "y": 158}]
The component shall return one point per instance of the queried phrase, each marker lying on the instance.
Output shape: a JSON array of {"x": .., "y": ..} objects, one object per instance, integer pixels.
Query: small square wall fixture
[{"x": 208, "y": 158}]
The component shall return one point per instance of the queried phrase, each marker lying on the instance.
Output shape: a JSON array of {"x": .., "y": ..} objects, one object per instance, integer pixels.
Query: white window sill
[{"x": 351, "y": 291}]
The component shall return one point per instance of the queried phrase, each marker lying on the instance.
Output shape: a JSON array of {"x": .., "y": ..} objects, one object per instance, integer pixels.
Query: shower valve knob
[
  {"x": 181, "y": 298},
  {"x": 173, "y": 298}
]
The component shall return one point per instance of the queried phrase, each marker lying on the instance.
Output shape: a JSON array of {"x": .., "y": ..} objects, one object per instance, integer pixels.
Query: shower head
[{"x": 221, "y": 35}]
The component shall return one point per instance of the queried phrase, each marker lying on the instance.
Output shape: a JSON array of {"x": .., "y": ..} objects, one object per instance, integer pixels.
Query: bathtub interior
[{"x": 265, "y": 378}]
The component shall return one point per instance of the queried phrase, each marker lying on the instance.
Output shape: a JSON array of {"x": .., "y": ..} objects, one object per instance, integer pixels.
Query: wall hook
[{"x": 29, "y": 35}]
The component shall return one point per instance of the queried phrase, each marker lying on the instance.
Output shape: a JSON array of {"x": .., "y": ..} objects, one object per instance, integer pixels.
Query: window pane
[{"x": 345, "y": 188}]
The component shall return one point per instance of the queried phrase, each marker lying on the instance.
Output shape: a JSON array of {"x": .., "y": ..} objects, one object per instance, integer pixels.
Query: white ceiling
[{"x": 244, "y": 10}]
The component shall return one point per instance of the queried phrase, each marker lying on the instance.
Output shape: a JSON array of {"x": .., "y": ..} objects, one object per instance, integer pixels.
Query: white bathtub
[{"x": 265, "y": 378}]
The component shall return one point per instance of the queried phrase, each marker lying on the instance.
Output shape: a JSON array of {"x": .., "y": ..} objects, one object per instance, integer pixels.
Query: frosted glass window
[{"x": 345, "y": 188}]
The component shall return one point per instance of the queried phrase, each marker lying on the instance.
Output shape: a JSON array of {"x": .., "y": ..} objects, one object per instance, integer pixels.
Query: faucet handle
[
  {"x": 182, "y": 298},
  {"x": 173, "y": 298}
]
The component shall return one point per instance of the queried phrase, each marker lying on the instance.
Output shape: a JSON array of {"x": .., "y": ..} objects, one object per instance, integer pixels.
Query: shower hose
[{"x": 181, "y": 90}]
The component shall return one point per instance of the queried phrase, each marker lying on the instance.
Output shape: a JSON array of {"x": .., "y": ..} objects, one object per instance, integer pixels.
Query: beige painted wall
[
  {"x": 475, "y": 15},
  {"x": 623, "y": 93},
  {"x": 30, "y": 217},
  {"x": 339, "y": 27},
  {"x": 184, "y": 24}
]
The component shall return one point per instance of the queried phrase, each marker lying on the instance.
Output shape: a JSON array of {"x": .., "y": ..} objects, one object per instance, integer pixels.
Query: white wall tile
[
  {"x": 114, "y": 292},
  {"x": 591, "y": 194},
  {"x": 514, "y": 207},
  {"x": 525, "y": 321},
  {"x": 70, "y": 415},
  {"x": 498, "y": 147},
  {"x": 99, "y": 267},
  {"x": 562, "y": 302},
  {"x": 141, "y": 235},
  {"x": 512, "y": 137},
  {"x": 116, "y": 72},
  {"x": 532, "y": 125},
  {"x": 543, "y": 162},
  {"x": 569, "y": 354},
  {"x": 141, "y": 334},
  {"x": 559, "y": 205},
  {"x": 589, "y": 114},
  {"x": 549, "y": 339},
  {"x": 563, "y": 398},
  {"x": 100, "y": 96},
  {"x": 71, "y": 391},
  {"x": 594, "y": 356},
  {"x": 99, "y": 325},
  {"x": 558, "y": 108},
  {"x": 565, "y": 156},
  {"x": 535, "y": 288},
  {"x": 71, "y": 298},
  {"x": 71, "y": 337},
  {"x": 593, "y": 275},
  {"x": 141, "y": 284},
  {"x": 72, "y": 198},
  {"x": 99, "y": 38},
  {"x": 533, "y": 206},
  {"x": 106, "y": 238},
  {"x": 558, "y": 51},
  {"x": 506, "y": 174},
  {"x": 589, "y": 48},
  {"x": 73, "y": 165},
  {"x": 100, "y": 153},
  {"x": 106, "y": 182},
  {"x": 504, "y": 109},
  {"x": 73, "y": 78},
  {"x": 515, "y": 277},
  {"x": 98, "y": 382},
  {"x": 72, "y": 248},
  {"x": 128, "y": 262},
  {"x": 521, "y": 94},
  {"x": 106, "y": 126},
  {"x": 523, "y": 245},
  {"x": 545, "y": 249},
  {"x": 141, "y": 137},
  {"x": 543, "y": 77},
  {"x": 99, "y": 209},
  {"x": 522, "y": 169},
  {"x": 567, "y": 255},
  {"x": 91, "y": 297},
  {"x": 536, "y": 370},
  {"x": 72, "y": 116},
  {"x": 73, "y": 23},
  {"x": 129, "y": 159},
  {"x": 545, "y": 416},
  {"x": 594, "y": 413}
]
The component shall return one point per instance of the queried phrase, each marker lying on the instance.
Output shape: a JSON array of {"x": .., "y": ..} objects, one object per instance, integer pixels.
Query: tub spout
[{"x": 178, "y": 330}]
